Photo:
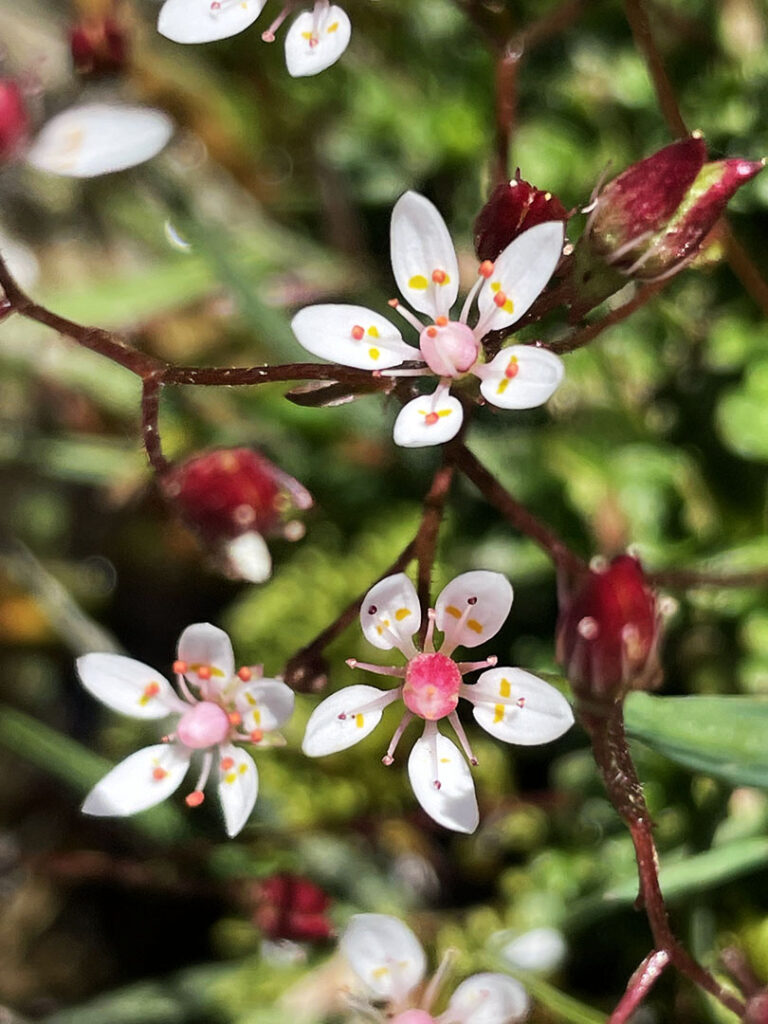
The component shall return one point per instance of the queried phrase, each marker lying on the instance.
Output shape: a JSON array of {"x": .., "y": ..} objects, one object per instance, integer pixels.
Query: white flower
[
  {"x": 314, "y": 42},
  {"x": 511, "y": 704},
  {"x": 388, "y": 959},
  {"x": 99, "y": 138},
  {"x": 219, "y": 706},
  {"x": 427, "y": 273}
]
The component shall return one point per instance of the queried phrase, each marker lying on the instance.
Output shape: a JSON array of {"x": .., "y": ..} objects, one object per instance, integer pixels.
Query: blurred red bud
[
  {"x": 232, "y": 497},
  {"x": 608, "y": 630},
  {"x": 511, "y": 209},
  {"x": 99, "y": 47},
  {"x": 14, "y": 120},
  {"x": 655, "y": 216},
  {"x": 757, "y": 1009},
  {"x": 292, "y": 907}
]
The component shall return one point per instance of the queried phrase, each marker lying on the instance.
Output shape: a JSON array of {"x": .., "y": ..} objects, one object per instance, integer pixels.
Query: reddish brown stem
[
  {"x": 227, "y": 376},
  {"x": 744, "y": 269},
  {"x": 583, "y": 335},
  {"x": 426, "y": 539},
  {"x": 637, "y": 16},
  {"x": 507, "y": 66},
  {"x": 605, "y": 725},
  {"x": 517, "y": 514},
  {"x": 640, "y": 984},
  {"x": 150, "y": 428}
]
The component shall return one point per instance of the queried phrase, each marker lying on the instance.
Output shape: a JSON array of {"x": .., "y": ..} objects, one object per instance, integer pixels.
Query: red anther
[
  {"x": 151, "y": 689},
  {"x": 441, "y": 321},
  {"x": 439, "y": 276},
  {"x": 245, "y": 674},
  {"x": 521, "y": 702},
  {"x": 204, "y": 672},
  {"x": 394, "y": 303},
  {"x": 485, "y": 269},
  {"x": 432, "y": 332},
  {"x": 158, "y": 774},
  {"x": 358, "y": 333},
  {"x": 500, "y": 299},
  {"x": 235, "y": 718},
  {"x": 227, "y": 764},
  {"x": 195, "y": 798},
  {"x": 267, "y": 37},
  {"x": 257, "y": 736},
  {"x": 313, "y": 42},
  {"x": 431, "y": 419},
  {"x": 180, "y": 667},
  {"x": 513, "y": 368}
]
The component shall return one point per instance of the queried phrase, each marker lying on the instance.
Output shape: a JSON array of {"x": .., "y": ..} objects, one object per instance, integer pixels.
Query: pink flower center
[
  {"x": 204, "y": 725},
  {"x": 449, "y": 347},
  {"x": 432, "y": 684},
  {"x": 413, "y": 1017}
]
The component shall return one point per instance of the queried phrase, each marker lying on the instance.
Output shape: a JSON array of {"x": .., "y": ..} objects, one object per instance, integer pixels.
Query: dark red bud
[
  {"x": 511, "y": 209},
  {"x": 232, "y": 497},
  {"x": 99, "y": 47},
  {"x": 757, "y": 1009},
  {"x": 14, "y": 120},
  {"x": 294, "y": 908},
  {"x": 607, "y": 632}
]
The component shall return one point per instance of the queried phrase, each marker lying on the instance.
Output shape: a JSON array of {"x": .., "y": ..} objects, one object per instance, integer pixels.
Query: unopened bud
[
  {"x": 232, "y": 498},
  {"x": 292, "y": 907},
  {"x": 757, "y": 1009},
  {"x": 99, "y": 47},
  {"x": 14, "y": 120},
  {"x": 511, "y": 209},
  {"x": 607, "y": 632}
]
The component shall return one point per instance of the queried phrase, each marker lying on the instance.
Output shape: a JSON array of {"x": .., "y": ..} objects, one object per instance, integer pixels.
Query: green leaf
[
  {"x": 78, "y": 767},
  {"x": 719, "y": 736}
]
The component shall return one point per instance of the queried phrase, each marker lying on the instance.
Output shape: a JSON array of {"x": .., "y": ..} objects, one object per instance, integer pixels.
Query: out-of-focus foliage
[{"x": 277, "y": 193}]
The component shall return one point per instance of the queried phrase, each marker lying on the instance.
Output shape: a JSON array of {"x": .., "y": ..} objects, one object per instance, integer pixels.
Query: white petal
[
  {"x": 205, "y": 645},
  {"x": 453, "y": 805},
  {"x": 311, "y": 48},
  {"x": 326, "y": 732},
  {"x": 521, "y": 272},
  {"x": 390, "y": 614},
  {"x": 421, "y": 246},
  {"x": 248, "y": 557},
  {"x": 99, "y": 138},
  {"x": 487, "y": 999},
  {"x": 540, "y": 949},
  {"x": 385, "y": 954},
  {"x": 473, "y": 607},
  {"x": 140, "y": 781},
  {"x": 521, "y": 377},
  {"x": 193, "y": 21},
  {"x": 330, "y": 331},
  {"x": 265, "y": 704},
  {"x": 128, "y": 686},
  {"x": 426, "y": 421},
  {"x": 238, "y": 787},
  {"x": 518, "y": 707},
  {"x": 21, "y": 262}
]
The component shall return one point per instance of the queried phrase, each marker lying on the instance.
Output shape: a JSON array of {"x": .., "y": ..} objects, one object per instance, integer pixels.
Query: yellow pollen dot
[
  {"x": 474, "y": 625},
  {"x": 333, "y": 28},
  {"x": 509, "y": 306},
  {"x": 498, "y": 714},
  {"x": 374, "y": 353},
  {"x": 402, "y": 613},
  {"x": 257, "y": 717},
  {"x": 445, "y": 760},
  {"x": 418, "y": 282},
  {"x": 230, "y": 778},
  {"x": 306, "y": 35},
  {"x": 451, "y": 610},
  {"x": 495, "y": 286},
  {"x": 503, "y": 385},
  {"x": 359, "y": 720},
  {"x": 373, "y": 331},
  {"x": 243, "y": 769},
  {"x": 213, "y": 670},
  {"x": 380, "y": 972},
  {"x": 505, "y": 688},
  {"x": 442, "y": 413},
  {"x": 251, "y": 699}
]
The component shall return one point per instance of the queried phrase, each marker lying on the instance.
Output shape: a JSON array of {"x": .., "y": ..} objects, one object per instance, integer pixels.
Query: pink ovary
[
  {"x": 432, "y": 683},
  {"x": 204, "y": 725},
  {"x": 449, "y": 349}
]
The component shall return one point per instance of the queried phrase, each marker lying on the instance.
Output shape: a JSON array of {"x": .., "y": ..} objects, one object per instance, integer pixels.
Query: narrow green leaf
[{"x": 719, "y": 736}]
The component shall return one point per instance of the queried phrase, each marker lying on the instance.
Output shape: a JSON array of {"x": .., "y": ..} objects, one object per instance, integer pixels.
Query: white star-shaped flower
[
  {"x": 509, "y": 703},
  {"x": 388, "y": 959},
  {"x": 217, "y": 707},
  {"x": 315, "y": 40},
  {"x": 426, "y": 269}
]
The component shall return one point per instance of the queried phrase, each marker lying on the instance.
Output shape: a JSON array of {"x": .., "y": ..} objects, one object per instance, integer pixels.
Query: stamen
[
  {"x": 474, "y": 666},
  {"x": 381, "y": 670},
  {"x": 268, "y": 36},
  {"x": 196, "y": 797},
  {"x": 389, "y": 757},
  {"x": 464, "y": 315},
  {"x": 204, "y": 672},
  {"x": 441, "y": 321},
  {"x": 377, "y": 704},
  {"x": 358, "y": 332},
  {"x": 404, "y": 312},
  {"x": 439, "y": 276},
  {"x": 180, "y": 667},
  {"x": 433, "y": 988},
  {"x": 184, "y": 689},
  {"x": 500, "y": 299},
  {"x": 431, "y": 332},
  {"x": 158, "y": 774},
  {"x": 245, "y": 674},
  {"x": 429, "y": 645},
  {"x": 430, "y": 735},
  {"x": 256, "y": 736},
  {"x": 458, "y": 728},
  {"x": 235, "y": 718},
  {"x": 451, "y": 641}
]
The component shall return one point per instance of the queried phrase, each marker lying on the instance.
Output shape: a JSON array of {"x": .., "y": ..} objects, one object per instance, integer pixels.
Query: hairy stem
[
  {"x": 583, "y": 335},
  {"x": 640, "y": 984}
]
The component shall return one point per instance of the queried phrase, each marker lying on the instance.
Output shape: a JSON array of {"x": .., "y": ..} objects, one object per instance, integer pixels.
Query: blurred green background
[{"x": 276, "y": 193}]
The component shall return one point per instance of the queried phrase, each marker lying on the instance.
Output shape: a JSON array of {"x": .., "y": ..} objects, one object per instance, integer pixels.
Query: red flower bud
[
  {"x": 757, "y": 1009},
  {"x": 655, "y": 216},
  {"x": 231, "y": 497},
  {"x": 291, "y": 907},
  {"x": 510, "y": 210},
  {"x": 608, "y": 630},
  {"x": 14, "y": 121},
  {"x": 99, "y": 47}
]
